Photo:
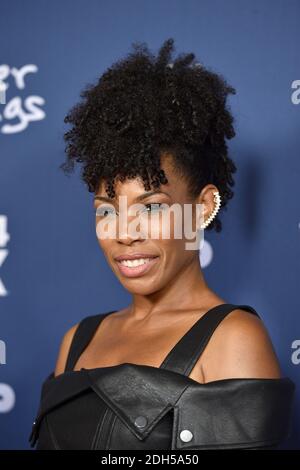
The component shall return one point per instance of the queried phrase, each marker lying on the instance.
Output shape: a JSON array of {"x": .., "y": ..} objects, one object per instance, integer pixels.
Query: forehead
[{"x": 134, "y": 187}]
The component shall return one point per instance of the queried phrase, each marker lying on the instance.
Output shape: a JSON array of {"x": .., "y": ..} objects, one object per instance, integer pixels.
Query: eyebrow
[{"x": 138, "y": 198}]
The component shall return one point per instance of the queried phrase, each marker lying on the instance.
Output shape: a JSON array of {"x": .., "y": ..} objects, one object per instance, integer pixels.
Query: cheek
[
  {"x": 174, "y": 253},
  {"x": 165, "y": 225},
  {"x": 175, "y": 247},
  {"x": 104, "y": 243},
  {"x": 106, "y": 230},
  {"x": 176, "y": 226},
  {"x": 170, "y": 230}
]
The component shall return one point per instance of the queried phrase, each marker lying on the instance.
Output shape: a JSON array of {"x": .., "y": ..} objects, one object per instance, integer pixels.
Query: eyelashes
[
  {"x": 102, "y": 211},
  {"x": 156, "y": 206}
]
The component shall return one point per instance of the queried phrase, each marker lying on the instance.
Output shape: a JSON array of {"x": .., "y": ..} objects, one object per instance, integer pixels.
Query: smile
[{"x": 136, "y": 267}]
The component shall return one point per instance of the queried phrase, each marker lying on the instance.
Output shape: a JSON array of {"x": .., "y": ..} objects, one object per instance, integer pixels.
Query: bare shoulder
[
  {"x": 240, "y": 347},
  {"x": 64, "y": 350}
]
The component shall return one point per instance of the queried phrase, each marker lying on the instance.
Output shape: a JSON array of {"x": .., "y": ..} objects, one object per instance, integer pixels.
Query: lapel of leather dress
[
  {"x": 235, "y": 413},
  {"x": 139, "y": 395},
  {"x": 131, "y": 391}
]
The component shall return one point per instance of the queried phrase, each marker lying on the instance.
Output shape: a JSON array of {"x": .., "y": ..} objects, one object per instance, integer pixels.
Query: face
[{"x": 159, "y": 258}]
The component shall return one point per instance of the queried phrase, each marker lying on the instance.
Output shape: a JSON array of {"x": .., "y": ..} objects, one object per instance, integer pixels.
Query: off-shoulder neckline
[{"x": 69, "y": 373}]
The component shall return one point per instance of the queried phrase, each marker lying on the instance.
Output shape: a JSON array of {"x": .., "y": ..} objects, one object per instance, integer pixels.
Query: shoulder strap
[
  {"x": 183, "y": 357},
  {"x": 83, "y": 335}
]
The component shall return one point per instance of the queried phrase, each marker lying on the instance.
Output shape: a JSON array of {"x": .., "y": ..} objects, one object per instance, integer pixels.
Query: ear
[{"x": 206, "y": 204}]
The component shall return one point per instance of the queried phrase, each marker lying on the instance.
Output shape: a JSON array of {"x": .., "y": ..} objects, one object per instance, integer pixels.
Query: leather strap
[
  {"x": 183, "y": 357},
  {"x": 83, "y": 335}
]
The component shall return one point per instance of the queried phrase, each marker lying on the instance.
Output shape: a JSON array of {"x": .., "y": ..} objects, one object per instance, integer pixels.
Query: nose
[{"x": 129, "y": 231}]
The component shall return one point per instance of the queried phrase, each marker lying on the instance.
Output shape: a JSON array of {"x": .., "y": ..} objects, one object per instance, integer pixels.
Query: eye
[
  {"x": 103, "y": 211},
  {"x": 154, "y": 207}
]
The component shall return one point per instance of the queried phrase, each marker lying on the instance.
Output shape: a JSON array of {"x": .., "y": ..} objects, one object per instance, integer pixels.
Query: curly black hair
[{"x": 143, "y": 106}]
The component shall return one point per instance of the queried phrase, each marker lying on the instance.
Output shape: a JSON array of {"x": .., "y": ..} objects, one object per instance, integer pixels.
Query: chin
[{"x": 140, "y": 287}]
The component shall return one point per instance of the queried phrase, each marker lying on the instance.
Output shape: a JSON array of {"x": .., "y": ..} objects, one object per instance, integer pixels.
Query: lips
[
  {"x": 136, "y": 271},
  {"x": 132, "y": 256}
]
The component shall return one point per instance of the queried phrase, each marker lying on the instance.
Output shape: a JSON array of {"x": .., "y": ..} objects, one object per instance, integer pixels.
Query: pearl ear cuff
[{"x": 217, "y": 200}]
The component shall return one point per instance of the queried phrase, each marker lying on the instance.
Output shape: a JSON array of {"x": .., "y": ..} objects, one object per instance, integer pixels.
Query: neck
[{"x": 187, "y": 290}]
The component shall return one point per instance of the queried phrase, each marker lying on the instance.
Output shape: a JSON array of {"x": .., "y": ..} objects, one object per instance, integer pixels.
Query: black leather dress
[{"x": 133, "y": 407}]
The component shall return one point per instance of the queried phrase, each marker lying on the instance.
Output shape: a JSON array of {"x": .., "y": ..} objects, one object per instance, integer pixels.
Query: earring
[{"x": 217, "y": 200}]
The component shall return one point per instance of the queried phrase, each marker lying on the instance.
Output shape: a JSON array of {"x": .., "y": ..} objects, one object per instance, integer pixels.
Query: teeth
[{"x": 134, "y": 262}]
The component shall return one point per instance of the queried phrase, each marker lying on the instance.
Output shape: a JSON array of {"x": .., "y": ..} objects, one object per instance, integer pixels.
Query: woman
[{"x": 179, "y": 368}]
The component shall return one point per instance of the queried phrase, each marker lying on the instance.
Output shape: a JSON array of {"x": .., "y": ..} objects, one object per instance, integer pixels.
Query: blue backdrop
[{"x": 52, "y": 272}]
